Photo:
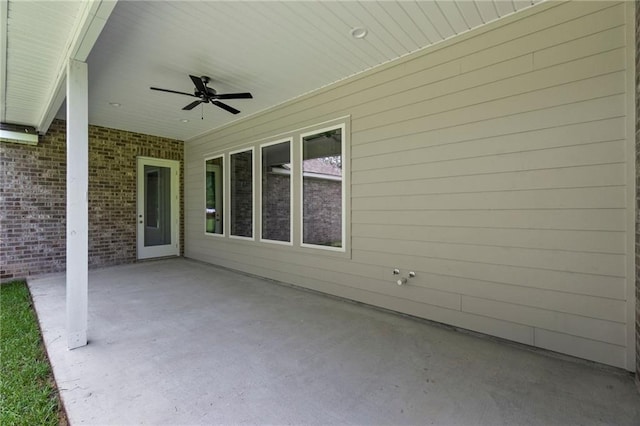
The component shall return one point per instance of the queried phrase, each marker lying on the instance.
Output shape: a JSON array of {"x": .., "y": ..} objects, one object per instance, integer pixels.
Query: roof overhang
[
  {"x": 90, "y": 19},
  {"x": 90, "y": 22}
]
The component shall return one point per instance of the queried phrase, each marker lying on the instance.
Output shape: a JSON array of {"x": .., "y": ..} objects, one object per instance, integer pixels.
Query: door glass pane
[
  {"x": 322, "y": 189},
  {"x": 157, "y": 192},
  {"x": 242, "y": 194},
  {"x": 152, "y": 199},
  {"x": 276, "y": 192},
  {"x": 214, "y": 196}
]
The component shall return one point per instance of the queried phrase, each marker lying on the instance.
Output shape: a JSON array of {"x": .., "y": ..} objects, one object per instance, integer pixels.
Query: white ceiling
[
  {"x": 275, "y": 50},
  {"x": 35, "y": 55}
]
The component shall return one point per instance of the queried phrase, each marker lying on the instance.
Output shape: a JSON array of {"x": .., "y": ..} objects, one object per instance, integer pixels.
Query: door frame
[{"x": 173, "y": 248}]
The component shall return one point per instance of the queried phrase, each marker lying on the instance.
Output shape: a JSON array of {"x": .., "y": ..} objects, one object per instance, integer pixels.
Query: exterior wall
[
  {"x": 33, "y": 204},
  {"x": 497, "y": 168}
]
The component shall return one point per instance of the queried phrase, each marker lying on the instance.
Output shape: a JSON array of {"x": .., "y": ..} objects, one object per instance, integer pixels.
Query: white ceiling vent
[{"x": 17, "y": 133}]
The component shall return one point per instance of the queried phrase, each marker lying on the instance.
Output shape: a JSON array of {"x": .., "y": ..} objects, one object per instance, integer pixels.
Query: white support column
[{"x": 77, "y": 203}]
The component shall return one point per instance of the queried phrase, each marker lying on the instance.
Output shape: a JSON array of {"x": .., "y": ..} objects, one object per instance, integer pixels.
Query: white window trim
[
  {"x": 253, "y": 194},
  {"x": 291, "y": 201},
  {"x": 224, "y": 208},
  {"x": 294, "y": 137},
  {"x": 343, "y": 137}
]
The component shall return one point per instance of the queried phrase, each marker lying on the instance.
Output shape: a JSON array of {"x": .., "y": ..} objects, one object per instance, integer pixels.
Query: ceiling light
[
  {"x": 115, "y": 104},
  {"x": 184, "y": 120},
  {"x": 359, "y": 32}
]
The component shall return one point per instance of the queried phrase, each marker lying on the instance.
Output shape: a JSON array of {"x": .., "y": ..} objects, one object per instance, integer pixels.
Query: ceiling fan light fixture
[{"x": 359, "y": 32}]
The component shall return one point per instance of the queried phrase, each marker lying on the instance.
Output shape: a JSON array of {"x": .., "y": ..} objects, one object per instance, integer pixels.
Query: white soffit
[
  {"x": 37, "y": 33},
  {"x": 275, "y": 50},
  {"x": 39, "y": 38}
]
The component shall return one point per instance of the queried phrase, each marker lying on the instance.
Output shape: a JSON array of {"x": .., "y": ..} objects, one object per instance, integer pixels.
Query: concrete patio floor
[{"x": 180, "y": 342}]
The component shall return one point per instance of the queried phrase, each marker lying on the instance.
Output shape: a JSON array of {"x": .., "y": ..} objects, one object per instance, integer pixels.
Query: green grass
[{"x": 27, "y": 392}]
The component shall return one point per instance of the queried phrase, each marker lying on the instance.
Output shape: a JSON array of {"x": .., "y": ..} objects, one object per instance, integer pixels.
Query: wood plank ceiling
[
  {"x": 38, "y": 33},
  {"x": 276, "y": 50}
]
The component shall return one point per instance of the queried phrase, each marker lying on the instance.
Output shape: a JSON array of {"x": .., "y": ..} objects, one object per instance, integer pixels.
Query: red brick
[{"x": 33, "y": 201}]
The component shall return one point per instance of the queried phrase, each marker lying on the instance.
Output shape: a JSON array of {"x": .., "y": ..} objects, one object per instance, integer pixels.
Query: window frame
[
  {"x": 290, "y": 140},
  {"x": 343, "y": 193},
  {"x": 253, "y": 193},
  {"x": 296, "y": 229},
  {"x": 224, "y": 201}
]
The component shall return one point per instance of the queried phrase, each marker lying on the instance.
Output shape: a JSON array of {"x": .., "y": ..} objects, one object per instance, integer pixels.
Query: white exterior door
[{"x": 158, "y": 215}]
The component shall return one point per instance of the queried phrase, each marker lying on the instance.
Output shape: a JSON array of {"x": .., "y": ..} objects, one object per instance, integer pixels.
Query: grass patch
[{"x": 28, "y": 395}]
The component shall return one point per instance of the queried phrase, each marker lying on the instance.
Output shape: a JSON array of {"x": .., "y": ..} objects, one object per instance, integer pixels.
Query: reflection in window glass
[
  {"x": 152, "y": 196},
  {"x": 276, "y": 192},
  {"x": 157, "y": 217},
  {"x": 322, "y": 188},
  {"x": 242, "y": 194},
  {"x": 214, "y": 196}
]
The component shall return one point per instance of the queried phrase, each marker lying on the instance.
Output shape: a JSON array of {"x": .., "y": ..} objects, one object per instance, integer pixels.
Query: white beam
[
  {"x": 4, "y": 16},
  {"x": 91, "y": 19},
  {"x": 77, "y": 203}
]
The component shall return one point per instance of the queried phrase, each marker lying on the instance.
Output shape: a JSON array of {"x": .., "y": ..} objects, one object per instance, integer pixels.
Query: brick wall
[
  {"x": 638, "y": 193},
  {"x": 276, "y": 207},
  {"x": 33, "y": 199},
  {"x": 242, "y": 194},
  {"x": 33, "y": 206},
  {"x": 322, "y": 215}
]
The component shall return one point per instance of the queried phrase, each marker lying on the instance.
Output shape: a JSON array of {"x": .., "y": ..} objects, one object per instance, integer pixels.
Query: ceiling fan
[{"x": 207, "y": 94}]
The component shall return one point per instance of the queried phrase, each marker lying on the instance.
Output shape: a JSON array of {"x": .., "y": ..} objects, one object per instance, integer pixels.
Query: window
[
  {"x": 241, "y": 214},
  {"x": 214, "y": 220},
  {"x": 152, "y": 200},
  {"x": 276, "y": 191},
  {"x": 323, "y": 189},
  {"x": 289, "y": 191}
]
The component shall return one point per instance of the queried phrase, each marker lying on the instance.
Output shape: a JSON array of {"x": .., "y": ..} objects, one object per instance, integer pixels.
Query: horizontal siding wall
[{"x": 494, "y": 166}]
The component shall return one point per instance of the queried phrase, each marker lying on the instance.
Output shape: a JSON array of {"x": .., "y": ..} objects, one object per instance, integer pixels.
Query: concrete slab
[{"x": 180, "y": 342}]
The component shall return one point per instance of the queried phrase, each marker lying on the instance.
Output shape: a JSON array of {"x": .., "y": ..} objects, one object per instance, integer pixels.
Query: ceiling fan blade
[
  {"x": 192, "y": 105},
  {"x": 197, "y": 81},
  {"x": 225, "y": 107},
  {"x": 234, "y": 96},
  {"x": 171, "y": 91}
]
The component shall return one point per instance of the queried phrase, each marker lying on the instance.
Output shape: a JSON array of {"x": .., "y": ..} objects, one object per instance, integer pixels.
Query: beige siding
[{"x": 494, "y": 165}]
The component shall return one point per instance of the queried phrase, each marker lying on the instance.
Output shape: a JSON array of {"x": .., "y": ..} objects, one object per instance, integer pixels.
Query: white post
[{"x": 77, "y": 203}]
